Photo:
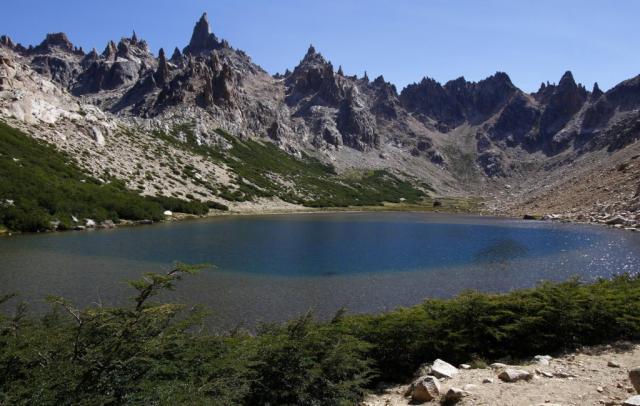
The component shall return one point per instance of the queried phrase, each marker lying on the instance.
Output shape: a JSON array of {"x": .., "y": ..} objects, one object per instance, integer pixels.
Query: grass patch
[{"x": 263, "y": 170}]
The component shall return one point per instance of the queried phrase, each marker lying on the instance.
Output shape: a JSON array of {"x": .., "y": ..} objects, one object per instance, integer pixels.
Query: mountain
[{"x": 143, "y": 118}]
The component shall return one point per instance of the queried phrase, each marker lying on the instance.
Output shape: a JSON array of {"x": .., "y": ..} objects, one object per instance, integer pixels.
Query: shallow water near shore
[{"x": 273, "y": 268}]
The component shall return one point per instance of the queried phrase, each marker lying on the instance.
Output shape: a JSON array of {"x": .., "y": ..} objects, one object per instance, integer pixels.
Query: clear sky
[{"x": 531, "y": 40}]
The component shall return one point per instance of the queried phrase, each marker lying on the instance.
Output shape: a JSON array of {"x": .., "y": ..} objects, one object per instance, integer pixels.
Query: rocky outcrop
[
  {"x": 5, "y": 41},
  {"x": 516, "y": 123},
  {"x": 626, "y": 95},
  {"x": 56, "y": 41},
  {"x": 202, "y": 40},
  {"x": 356, "y": 124},
  {"x": 119, "y": 67},
  {"x": 566, "y": 99},
  {"x": 313, "y": 82},
  {"x": 161, "y": 74},
  {"x": 428, "y": 100}
]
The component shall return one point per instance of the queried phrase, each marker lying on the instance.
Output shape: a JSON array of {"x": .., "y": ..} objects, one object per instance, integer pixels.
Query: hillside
[{"x": 209, "y": 124}]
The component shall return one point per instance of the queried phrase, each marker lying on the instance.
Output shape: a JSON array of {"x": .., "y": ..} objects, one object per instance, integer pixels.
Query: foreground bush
[{"x": 153, "y": 353}]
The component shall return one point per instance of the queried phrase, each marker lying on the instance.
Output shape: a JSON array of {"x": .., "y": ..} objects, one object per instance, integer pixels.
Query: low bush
[{"x": 155, "y": 353}]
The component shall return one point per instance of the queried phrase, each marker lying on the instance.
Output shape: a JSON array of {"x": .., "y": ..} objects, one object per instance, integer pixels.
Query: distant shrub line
[{"x": 154, "y": 353}]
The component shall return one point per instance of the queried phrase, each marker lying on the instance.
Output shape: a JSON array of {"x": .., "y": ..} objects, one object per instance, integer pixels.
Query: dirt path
[{"x": 590, "y": 377}]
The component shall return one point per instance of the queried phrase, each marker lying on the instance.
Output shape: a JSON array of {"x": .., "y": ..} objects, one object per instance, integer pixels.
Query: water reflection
[{"x": 501, "y": 253}]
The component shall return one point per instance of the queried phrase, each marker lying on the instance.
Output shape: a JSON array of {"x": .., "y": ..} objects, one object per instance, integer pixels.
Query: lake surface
[{"x": 273, "y": 268}]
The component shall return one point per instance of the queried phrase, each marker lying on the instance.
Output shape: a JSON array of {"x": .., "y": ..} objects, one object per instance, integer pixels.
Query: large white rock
[
  {"x": 632, "y": 401},
  {"x": 442, "y": 369},
  {"x": 543, "y": 359},
  {"x": 425, "y": 389},
  {"x": 168, "y": 213}
]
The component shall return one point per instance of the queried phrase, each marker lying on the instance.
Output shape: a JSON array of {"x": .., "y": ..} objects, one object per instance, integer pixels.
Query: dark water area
[{"x": 273, "y": 268}]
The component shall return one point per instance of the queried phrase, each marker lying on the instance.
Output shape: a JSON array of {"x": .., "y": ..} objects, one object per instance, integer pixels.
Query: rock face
[
  {"x": 564, "y": 102},
  {"x": 425, "y": 389}
]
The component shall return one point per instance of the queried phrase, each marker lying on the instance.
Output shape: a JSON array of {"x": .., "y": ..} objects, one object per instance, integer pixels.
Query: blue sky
[{"x": 531, "y": 40}]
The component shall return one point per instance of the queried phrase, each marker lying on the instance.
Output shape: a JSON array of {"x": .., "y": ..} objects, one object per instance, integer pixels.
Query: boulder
[
  {"x": 616, "y": 220},
  {"x": 465, "y": 366},
  {"x": 632, "y": 401},
  {"x": 425, "y": 389},
  {"x": 487, "y": 380},
  {"x": 634, "y": 377},
  {"x": 442, "y": 369},
  {"x": 454, "y": 394},
  {"x": 543, "y": 359},
  {"x": 613, "y": 364},
  {"x": 498, "y": 365},
  {"x": 107, "y": 224},
  {"x": 514, "y": 375},
  {"x": 168, "y": 213},
  {"x": 90, "y": 223}
]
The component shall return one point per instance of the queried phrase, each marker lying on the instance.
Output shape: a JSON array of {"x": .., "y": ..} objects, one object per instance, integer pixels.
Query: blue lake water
[{"x": 271, "y": 268}]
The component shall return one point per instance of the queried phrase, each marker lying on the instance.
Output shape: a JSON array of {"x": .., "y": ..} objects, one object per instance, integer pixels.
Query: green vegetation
[
  {"x": 154, "y": 353},
  {"x": 39, "y": 185},
  {"x": 263, "y": 170}
]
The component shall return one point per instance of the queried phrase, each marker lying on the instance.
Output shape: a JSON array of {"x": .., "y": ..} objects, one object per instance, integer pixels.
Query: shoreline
[
  {"x": 275, "y": 208},
  {"x": 472, "y": 207}
]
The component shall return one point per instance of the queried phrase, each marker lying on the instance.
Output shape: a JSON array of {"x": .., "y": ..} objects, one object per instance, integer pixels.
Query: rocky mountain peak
[
  {"x": 429, "y": 100},
  {"x": 596, "y": 92},
  {"x": 6, "y": 41},
  {"x": 132, "y": 48},
  {"x": 567, "y": 80},
  {"x": 53, "y": 41},
  {"x": 110, "y": 51},
  {"x": 90, "y": 57},
  {"x": 202, "y": 40},
  {"x": 313, "y": 57},
  {"x": 566, "y": 99},
  {"x": 176, "y": 56},
  {"x": 161, "y": 74}
]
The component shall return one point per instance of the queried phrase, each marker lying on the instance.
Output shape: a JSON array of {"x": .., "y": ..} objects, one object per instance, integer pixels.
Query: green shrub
[
  {"x": 154, "y": 353},
  {"x": 217, "y": 206}
]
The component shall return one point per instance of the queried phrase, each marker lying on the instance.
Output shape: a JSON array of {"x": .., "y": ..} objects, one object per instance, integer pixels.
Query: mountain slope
[{"x": 144, "y": 119}]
